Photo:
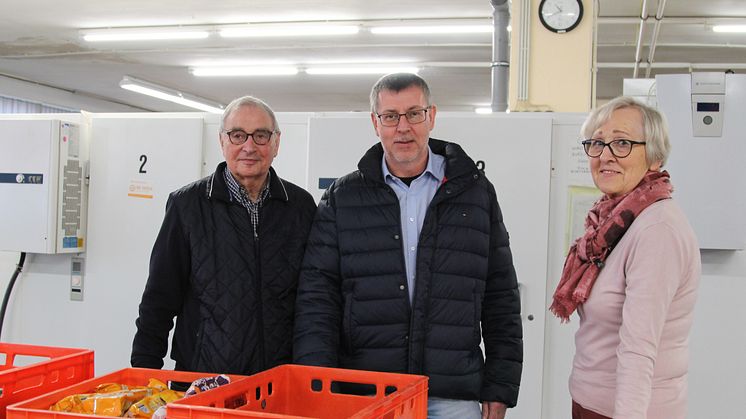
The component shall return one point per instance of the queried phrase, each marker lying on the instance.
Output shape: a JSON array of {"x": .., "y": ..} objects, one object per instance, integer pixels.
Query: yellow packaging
[
  {"x": 112, "y": 387},
  {"x": 109, "y": 388},
  {"x": 157, "y": 384},
  {"x": 147, "y": 406},
  {"x": 68, "y": 404},
  {"x": 112, "y": 399},
  {"x": 107, "y": 404}
]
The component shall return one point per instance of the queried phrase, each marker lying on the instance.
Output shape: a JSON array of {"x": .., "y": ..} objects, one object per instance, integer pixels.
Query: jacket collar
[
  {"x": 458, "y": 164},
  {"x": 217, "y": 189}
]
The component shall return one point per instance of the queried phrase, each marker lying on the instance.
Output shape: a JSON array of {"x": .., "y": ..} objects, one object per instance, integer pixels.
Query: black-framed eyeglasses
[
  {"x": 414, "y": 116},
  {"x": 620, "y": 148},
  {"x": 260, "y": 136}
]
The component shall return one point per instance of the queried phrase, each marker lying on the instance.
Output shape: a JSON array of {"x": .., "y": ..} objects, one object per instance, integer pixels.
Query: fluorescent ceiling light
[
  {"x": 361, "y": 70},
  {"x": 171, "y": 95},
  {"x": 278, "y": 30},
  {"x": 142, "y": 34},
  {"x": 729, "y": 28},
  {"x": 439, "y": 29},
  {"x": 369, "y": 61},
  {"x": 215, "y": 71},
  {"x": 486, "y": 110}
]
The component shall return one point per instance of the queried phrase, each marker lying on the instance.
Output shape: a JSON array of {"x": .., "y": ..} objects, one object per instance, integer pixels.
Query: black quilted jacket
[
  {"x": 233, "y": 297},
  {"x": 353, "y": 309}
]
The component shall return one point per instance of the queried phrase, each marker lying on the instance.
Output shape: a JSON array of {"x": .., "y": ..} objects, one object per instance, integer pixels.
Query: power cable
[{"x": 9, "y": 289}]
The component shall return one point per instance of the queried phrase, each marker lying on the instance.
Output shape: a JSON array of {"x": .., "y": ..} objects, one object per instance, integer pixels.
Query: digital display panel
[{"x": 708, "y": 107}]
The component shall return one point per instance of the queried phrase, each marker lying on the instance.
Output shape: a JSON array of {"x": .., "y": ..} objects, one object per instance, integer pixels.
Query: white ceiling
[{"x": 40, "y": 43}]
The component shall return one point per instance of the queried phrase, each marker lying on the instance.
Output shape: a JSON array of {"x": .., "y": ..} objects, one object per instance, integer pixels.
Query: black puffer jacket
[
  {"x": 233, "y": 297},
  {"x": 353, "y": 309}
]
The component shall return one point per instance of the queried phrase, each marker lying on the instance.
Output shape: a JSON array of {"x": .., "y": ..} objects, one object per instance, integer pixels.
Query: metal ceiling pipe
[
  {"x": 524, "y": 51},
  {"x": 500, "y": 54},
  {"x": 690, "y": 66},
  {"x": 640, "y": 34},
  {"x": 673, "y": 45},
  {"x": 656, "y": 31},
  {"x": 674, "y": 20}
]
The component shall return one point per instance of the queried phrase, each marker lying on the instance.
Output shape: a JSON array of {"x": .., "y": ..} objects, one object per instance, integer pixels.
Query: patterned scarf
[{"x": 605, "y": 225}]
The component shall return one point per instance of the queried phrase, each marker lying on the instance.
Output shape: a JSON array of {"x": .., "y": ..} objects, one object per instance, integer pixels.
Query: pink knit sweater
[{"x": 632, "y": 354}]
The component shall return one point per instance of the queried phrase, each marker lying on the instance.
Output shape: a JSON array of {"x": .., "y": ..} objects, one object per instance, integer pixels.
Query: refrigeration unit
[{"x": 43, "y": 187}]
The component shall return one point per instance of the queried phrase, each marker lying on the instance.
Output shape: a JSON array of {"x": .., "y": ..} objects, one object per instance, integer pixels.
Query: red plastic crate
[
  {"x": 38, "y": 407},
  {"x": 295, "y": 391},
  {"x": 61, "y": 368}
]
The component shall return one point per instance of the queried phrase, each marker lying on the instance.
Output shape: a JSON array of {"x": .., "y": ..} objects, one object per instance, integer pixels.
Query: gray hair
[
  {"x": 397, "y": 82},
  {"x": 250, "y": 101},
  {"x": 654, "y": 127}
]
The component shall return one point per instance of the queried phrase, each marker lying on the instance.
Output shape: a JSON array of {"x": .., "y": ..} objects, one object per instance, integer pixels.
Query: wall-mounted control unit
[
  {"x": 708, "y": 104},
  {"x": 43, "y": 187},
  {"x": 76, "y": 278}
]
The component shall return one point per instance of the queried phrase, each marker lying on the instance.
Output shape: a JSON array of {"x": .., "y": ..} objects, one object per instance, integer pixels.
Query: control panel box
[
  {"x": 708, "y": 104},
  {"x": 43, "y": 187}
]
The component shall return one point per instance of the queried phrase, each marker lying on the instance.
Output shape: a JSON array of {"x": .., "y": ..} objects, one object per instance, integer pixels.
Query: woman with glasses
[{"x": 632, "y": 276}]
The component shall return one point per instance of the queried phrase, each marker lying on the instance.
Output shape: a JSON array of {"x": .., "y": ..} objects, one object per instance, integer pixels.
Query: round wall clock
[{"x": 560, "y": 16}]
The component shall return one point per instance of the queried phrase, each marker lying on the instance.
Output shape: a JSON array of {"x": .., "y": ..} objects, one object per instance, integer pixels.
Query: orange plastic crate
[
  {"x": 38, "y": 407},
  {"x": 61, "y": 367},
  {"x": 295, "y": 391}
]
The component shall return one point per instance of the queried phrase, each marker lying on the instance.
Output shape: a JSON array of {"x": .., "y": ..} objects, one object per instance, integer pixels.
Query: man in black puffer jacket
[
  {"x": 408, "y": 266},
  {"x": 227, "y": 258}
]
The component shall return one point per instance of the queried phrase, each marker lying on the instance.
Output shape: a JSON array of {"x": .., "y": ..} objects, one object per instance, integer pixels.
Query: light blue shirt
[{"x": 413, "y": 202}]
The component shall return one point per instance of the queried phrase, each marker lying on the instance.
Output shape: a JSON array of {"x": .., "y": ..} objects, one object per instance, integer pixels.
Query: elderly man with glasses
[
  {"x": 227, "y": 258},
  {"x": 408, "y": 266}
]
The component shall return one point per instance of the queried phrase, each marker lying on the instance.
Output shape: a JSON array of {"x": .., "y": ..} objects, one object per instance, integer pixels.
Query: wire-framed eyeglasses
[
  {"x": 260, "y": 136},
  {"x": 414, "y": 116},
  {"x": 620, "y": 148}
]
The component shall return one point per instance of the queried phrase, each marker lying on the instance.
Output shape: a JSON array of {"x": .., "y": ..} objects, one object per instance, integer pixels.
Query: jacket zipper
[
  {"x": 406, "y": 280},
  {"x": 258, "y": 287}
]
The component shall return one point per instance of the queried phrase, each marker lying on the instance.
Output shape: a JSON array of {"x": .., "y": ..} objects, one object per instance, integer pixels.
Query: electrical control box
[
  {"x": 43, "y": 187},
  {"x": 708, "y": 104}
]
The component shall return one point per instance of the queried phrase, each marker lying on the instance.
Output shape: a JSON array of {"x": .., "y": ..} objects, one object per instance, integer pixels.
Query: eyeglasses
[
  {"x": 619, "y": 148},
  {"x": 260, "y": 136},
  {"x": 414, "y": 116}
]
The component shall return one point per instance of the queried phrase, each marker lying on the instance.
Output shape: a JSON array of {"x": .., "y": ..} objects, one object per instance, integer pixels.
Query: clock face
[{"x": 560, "y": 15}]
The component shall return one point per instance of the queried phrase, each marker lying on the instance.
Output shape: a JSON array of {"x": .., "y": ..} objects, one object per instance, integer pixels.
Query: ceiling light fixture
[
  {"x": 360, "y": 70},
  {"x": 214, "y": 71},
  {"x": 440, "y": 29},
  {"x": 142, "y": 34},
  {"x": 729, "y": 28},
  {"x": 287, "y": 30},
  {"x": 171, "y": 95}
]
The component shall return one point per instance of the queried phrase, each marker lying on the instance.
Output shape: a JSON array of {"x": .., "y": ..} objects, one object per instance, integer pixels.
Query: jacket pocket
[
  {"x": 477, "y": 319},
  {"x": 290, "y": 290},
  {"x": 196, "y": 361},
  {"x": 347, "y": 323}
]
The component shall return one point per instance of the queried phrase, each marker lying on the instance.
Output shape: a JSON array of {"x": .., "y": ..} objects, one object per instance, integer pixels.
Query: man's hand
[{"x": 493, "y": 410}]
